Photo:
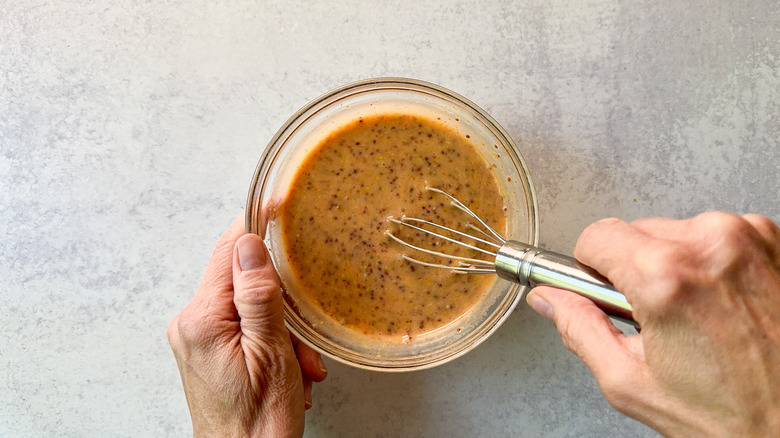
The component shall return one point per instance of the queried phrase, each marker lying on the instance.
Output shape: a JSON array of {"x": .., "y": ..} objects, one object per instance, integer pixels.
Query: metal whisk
[{"x": 517, "y": 262}]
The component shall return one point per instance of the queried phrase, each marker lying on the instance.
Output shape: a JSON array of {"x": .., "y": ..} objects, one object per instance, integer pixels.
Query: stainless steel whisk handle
[{"x": 531, "y": 266}]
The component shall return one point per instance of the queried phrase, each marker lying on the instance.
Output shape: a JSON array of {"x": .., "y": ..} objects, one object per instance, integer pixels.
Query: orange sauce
[{"x": 335, "y": 218}]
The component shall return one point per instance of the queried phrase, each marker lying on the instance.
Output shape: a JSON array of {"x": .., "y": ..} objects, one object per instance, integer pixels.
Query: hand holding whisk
[{"x": 516, "y": 261}]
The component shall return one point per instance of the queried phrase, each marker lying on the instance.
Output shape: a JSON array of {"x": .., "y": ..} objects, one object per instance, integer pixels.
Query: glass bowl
[{"x": 304, "y": 131}]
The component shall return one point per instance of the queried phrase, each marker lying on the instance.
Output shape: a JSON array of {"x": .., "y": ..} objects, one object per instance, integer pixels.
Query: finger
[
  {"x": 218, "y": 277},
  {"x": 257, "y": 294},
  {"x": 617, "y": 361},
  {"x": 211, "y": 313},
  {"x": 609, "y": 246},
  {"x": 307, "y": 400},
  {"x": 765, "y": 227},
  {"x": 270, "y": 211},
  {"x": 173, "y": 333},
  {"x": 299, "y": 346},
  {"x": 649, "y": 271},
  {"x": 663, "y": 228},
  {"x": 769, "y": 233},
  {"x": 585, "y": 330},
  {"x": 311, "y": 362}
]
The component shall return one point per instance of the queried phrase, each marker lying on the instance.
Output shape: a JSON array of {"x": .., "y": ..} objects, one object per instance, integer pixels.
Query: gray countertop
[{"x": 129, "y": 132}]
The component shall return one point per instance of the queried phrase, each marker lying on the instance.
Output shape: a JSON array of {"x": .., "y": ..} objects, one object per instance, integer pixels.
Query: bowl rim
[{"x": 299, "y": 118}]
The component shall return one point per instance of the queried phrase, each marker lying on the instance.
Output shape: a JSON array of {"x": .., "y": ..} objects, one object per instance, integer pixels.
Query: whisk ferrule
[{"x": 531, "y": 266}]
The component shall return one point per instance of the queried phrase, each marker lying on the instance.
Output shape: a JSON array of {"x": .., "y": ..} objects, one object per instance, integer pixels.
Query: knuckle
[
  {"x": 570, "y": 329},
  {"x": 729, "y": 227},
  {"x": 732, "y": 223},
  {"x": 612, "y": 386},
  {"x": 607, "y": 222},
  {"x": 726, "y": 243},
  {"x": 592, "y": 235},
  {"x": 190, "y": 329},
  {"x": 173, "y": 332},
  {"x": 765, "y": 227},
  {"x": 596, "y": 228},
  {"x": 618, "y": 384},
  {"x": 665, "y": 266},
  {"x": 565, "y": 329},
  {"x": 661, "y": 259},
  {"x": 260, "y": 293},
  {"x": 763, "y": 222},
  {"x": 615, "y": 388}
]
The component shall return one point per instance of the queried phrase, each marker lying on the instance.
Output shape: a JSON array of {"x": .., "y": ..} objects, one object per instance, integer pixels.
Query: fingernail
[
  {"x": 540, "y": 305},
  {"x": 251, "y": 254},
  {"x": 321, "y": 364}
]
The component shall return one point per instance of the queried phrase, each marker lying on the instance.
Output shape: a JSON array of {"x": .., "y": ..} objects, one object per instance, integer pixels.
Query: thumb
[
  {"x": 616, "y": 360},
  {"x": 257, "y": 294},
  {"x": 586, "y": 331}
]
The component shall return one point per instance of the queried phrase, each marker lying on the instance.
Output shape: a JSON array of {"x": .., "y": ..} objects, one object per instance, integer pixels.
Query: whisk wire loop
[
  {"x": 467, "y": 265},
  {"x": 459, "y": 205},
  {"x": 437, "y": 253},
  {"x": 478, "y": 230},
  {"x": 404, "y": 222},
  {"x": 462, "y": 268}
]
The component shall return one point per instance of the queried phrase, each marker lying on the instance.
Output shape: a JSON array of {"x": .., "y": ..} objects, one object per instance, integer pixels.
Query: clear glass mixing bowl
[{"x": 304, "y": 131}]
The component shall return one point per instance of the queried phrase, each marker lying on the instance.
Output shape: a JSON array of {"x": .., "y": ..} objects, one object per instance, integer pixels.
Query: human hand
[
  {"x": 706, "y": 292},
  {"x": 242, "y": 371}
]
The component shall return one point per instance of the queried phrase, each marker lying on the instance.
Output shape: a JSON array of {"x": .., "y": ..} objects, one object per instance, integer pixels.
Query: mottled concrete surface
[{"x": 129, "y": 132}]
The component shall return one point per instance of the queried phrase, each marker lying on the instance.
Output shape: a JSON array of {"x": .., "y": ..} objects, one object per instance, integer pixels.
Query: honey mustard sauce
[{"x": 335, "y": 218}]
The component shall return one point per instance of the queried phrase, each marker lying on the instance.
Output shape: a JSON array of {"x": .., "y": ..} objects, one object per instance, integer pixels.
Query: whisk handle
[{"x": 531, "y": 266}]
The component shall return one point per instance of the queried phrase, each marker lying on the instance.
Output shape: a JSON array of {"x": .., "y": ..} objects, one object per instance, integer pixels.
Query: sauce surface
[{"x": 335, "y": 218}]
